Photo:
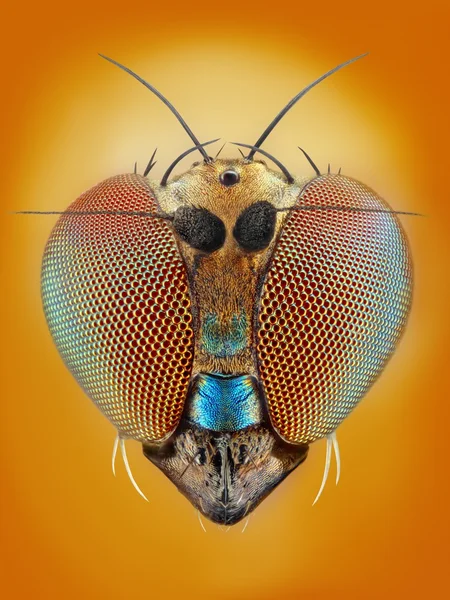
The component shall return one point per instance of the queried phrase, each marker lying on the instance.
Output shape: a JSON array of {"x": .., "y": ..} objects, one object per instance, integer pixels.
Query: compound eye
[
  {"x": 336, "y": 277},
  {"x": 255, "y": 226},
  {"x": 199, "y": 228},
  {"x": 229, "y": 178},
  {"x": 133, "y": 367}
]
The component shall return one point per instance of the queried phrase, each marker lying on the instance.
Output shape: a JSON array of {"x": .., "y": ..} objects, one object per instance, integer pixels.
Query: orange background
[{"x": 69, "y": 120}]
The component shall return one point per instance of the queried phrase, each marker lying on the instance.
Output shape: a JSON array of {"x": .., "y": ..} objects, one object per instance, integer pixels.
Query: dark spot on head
[
  {"x": 255, "y": 226},
  {"x": 199, "y": 228},
  {"x": 217, "y": 461},
  {"x": 202, "y": 456},
  {"x": 229, "y": 178},
  {"x": 242, "y": 453},
  {"x": 230, "y": 460}
]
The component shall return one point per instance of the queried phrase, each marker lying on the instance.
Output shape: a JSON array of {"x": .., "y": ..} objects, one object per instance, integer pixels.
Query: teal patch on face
[
  {"x": 224, "y": 402},
  {"x": 224, "y": 340}
]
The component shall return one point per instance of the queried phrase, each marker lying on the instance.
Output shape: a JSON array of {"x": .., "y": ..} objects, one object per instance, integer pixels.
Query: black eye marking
[
  {"x": 199, "y": 228},
  {"x": 229, "y": 178},
  {"x": 255, "y": 226}
]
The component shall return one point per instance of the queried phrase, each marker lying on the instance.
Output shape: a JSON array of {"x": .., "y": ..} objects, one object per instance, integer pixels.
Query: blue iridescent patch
[
  {"x": 224, "y": 340},
  {"x": 224, "y": 402}
]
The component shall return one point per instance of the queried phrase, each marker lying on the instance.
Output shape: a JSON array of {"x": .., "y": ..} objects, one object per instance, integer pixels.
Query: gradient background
[{"x": 69, "y": 120}]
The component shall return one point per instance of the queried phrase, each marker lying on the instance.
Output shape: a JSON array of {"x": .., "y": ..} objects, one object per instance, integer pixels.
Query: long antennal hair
[
  {"x": 311, "y": 162},
  {"x": 110, "y": 213},
  {"x": 151, "y": 164},
  {"x": 330, "y": 207},
  {"x": 177, "y": 160},
  {"x": 165, "y": 101},
  {"x": 294, "y": 100},
  {"x": 288, "y": 176}
]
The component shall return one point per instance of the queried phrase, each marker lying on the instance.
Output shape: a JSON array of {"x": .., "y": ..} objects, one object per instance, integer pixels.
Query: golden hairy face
[
  {"x": 211, "y": 186},
  {"x": 244, "y": 205}
]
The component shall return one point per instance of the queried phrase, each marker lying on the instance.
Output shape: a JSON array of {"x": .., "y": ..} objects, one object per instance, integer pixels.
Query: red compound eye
[
  {"x": 334, "y": 303},
  {"x": 116, "y": 298}
]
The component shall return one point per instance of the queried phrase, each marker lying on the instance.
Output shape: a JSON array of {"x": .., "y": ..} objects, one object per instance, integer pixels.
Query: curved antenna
[
  {"x": 276, "y": 161},
  {"x": 169, "y": 105},
  {"x": 295, "y": 99},
  {"x": 177, "y": 160}
]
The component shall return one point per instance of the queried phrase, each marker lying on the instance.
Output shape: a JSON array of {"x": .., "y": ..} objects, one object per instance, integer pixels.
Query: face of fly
[
  {"x": 246, "y": 292},
  {"x": 225, "y": 456}
]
